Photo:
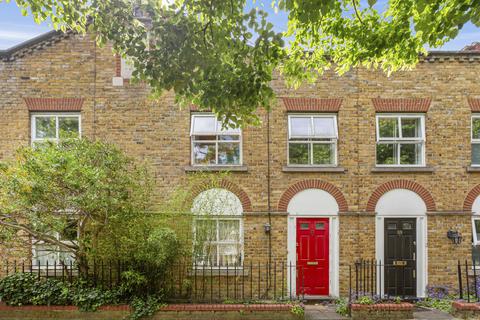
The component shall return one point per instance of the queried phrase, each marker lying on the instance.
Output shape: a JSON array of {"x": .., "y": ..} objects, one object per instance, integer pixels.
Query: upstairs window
[
  {"x": 55, "y": 126},
  {"x": 475, "y": 140},
  {"x": 213, "y": 144},
  {"x": 400, "y": 140},
  {"x": 312, "y": 140}
]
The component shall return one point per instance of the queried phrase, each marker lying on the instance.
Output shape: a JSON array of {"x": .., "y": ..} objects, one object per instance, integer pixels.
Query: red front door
[{"x": 312, "y": 256}]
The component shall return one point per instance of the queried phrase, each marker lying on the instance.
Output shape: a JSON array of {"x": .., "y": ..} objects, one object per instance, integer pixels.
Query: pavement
[{"x": 327, "y": 312}]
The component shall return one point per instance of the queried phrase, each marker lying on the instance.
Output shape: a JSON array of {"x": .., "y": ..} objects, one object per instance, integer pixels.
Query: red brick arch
[
  {"x": 470, "y": 199},
  {"x": 312, "y": 184},
  {"x": 401, "y": 184},
  {"x": 230, "y": 186}
]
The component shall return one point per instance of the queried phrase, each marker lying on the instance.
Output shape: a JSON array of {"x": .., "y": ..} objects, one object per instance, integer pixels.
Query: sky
[{"x": 15, "y": 28}]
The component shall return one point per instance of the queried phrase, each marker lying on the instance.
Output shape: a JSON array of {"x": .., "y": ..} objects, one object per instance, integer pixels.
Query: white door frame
[
  {"x": 333, "y": 248},
  {"x": 421, "y": 250}
]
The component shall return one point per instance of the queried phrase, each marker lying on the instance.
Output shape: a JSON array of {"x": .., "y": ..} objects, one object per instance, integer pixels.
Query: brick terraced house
[{"x": 360, "y": 166}]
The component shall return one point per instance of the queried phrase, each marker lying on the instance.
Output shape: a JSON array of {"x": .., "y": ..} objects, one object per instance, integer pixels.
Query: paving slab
[
  {"x": 322, "y": 312},
  {"x": 327, "y": 312},
  {"x": 428, "y": 314}
]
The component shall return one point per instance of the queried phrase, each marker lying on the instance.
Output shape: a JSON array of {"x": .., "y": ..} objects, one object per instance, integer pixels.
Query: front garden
[{"x": 79, "y": 232}]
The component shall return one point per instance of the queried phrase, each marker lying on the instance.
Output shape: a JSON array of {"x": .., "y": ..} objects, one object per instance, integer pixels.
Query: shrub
[
  {"x": 341, "y": 306},
  {"x": 365, "y": 300},
  {"x": 27, "y": 289},
  {"x": 18, "y": 289}
]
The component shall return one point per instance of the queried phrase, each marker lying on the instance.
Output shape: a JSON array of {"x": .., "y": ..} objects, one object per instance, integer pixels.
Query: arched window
[{"x": 218, "y": 229}]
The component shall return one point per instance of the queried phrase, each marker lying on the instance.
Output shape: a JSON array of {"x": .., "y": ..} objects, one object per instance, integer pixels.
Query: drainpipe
[{"x": 268, "y": 198}]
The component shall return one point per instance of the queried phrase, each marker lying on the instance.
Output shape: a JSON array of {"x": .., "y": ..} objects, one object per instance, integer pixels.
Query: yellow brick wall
[{"x": 158, "y": 132}]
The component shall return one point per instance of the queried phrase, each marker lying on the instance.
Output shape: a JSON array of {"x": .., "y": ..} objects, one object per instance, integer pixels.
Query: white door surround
[
  {"x": 311, "y": 203},
  {"x": 403, "y": 203}
]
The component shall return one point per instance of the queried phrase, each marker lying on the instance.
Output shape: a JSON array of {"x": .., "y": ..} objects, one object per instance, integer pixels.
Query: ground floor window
[
  {"x": 218, "y": 242},
  {"x": 47, "y": 254},
  {"x": 217, "y": 229}
]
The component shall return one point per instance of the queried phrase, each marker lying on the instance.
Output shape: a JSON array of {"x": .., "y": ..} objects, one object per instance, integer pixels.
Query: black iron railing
[
  {"x": 468, "y": 280},
  {"x": 382, "y": 281},
  {"x": 181, "y": 281}
]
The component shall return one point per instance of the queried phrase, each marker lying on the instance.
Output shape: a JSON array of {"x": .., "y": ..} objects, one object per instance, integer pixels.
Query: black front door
[{"x": 400, "y": 264}]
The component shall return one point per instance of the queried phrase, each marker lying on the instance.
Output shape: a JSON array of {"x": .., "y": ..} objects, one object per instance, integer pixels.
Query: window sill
[
  {"x": 216, "y": 168},
  {"x": 473, "y": 169},
  {"x": 215, "y": 272},
  {"x": 403, "y": 169},
  {"x": 313, "y": 169}
]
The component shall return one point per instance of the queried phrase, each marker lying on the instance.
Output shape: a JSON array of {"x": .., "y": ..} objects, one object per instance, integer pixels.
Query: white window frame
[
  {"x": 333, "y": 140},
  {"x": 57, "y": 115},
  {"x": 36, "y": 243},
  {"x": 217, "y": 218},
  {"x": 217, "y": 133},
  {"x": 476, "y": 241},
  {"x": 473, "y": 141},
  {"x": 400, "y": 139}
]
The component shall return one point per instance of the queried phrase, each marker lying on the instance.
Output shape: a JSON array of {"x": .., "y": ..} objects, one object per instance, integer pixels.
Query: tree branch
[
  {"x": 39, "y": 236},
  {"x": 356, "y": 11}
]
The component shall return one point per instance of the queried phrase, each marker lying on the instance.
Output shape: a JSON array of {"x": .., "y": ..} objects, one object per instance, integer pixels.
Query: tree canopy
[
  {"x": 214, "y": 54},
  {"x": 70, "y": 196}
]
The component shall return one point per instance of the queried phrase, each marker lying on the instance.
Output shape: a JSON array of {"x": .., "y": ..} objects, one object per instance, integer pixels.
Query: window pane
[
  {"x": 324, "y": 127},
  {"x": 477, "y": 228},
  {"x": 207, "y": 255},
  {"x": 68, "y": 127},
  {"x": 411, "y": 128},
  {"x": 475, "y": 153},
  {"x": 229, "y": 230},
  {"x": 411, "y": 153},
  {"x": 320, "y": 226},
  {"x": 229, "y": 153},
  {"x": 298, "y": 153},
  {"x": 45, "y": 253},
  {"x": 476, "y": 255},
  {"x": 229, "y": 255},
  {"x": 387, "y": 127},
  {"x": 205, "y": 231},
  {"x": 229, "y": 137},
  {"x": 386, "y": 153},
  {"x": 476, "y": 128},
  {"x": 204, "y": 153},
  {"x": 203, "y": 124},
  {"x": 323, "y": 153},
  {"x": 66, "y": 257},
  {"x": 205, "y": 138},
  {"x": 45, "y": 127},
  {"x": 300, "y": 127}
]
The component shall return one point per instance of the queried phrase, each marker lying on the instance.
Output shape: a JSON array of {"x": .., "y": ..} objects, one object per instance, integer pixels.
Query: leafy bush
[
  {"x": 144, "y": 307},
  {"x": 438, "y": 297},
  {"x": 298, "y": 310},
  {"x": 26, "y": 289},
  {"x": 439, "y": 304},
  {"x": 18, "y": 289},
  {"x": 365, "y": 300},
  {"x": 341, "y": 306}
]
